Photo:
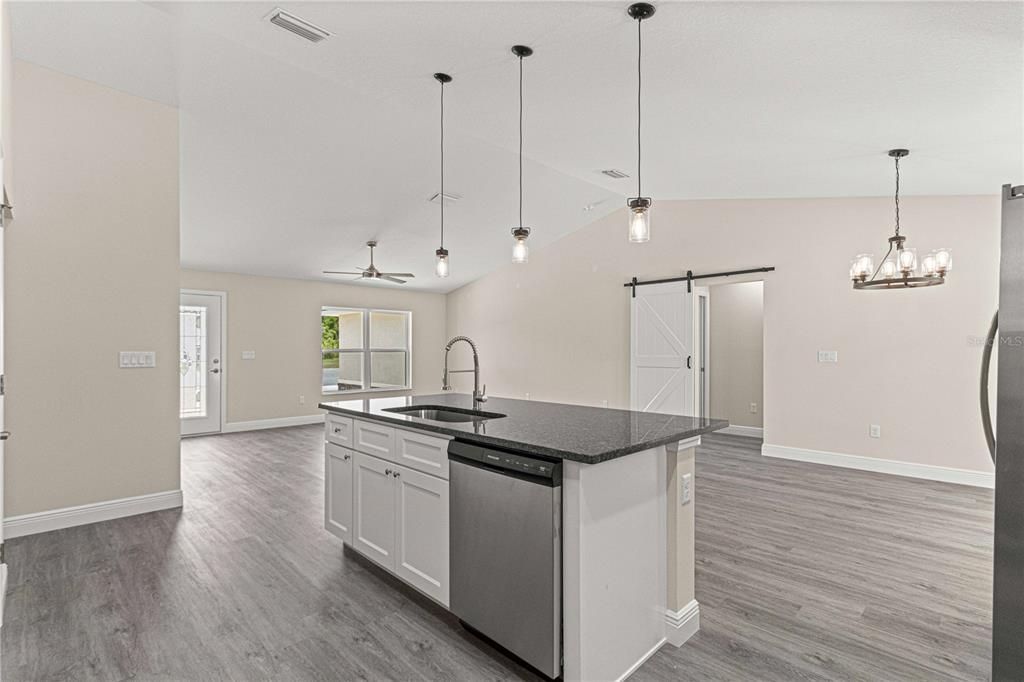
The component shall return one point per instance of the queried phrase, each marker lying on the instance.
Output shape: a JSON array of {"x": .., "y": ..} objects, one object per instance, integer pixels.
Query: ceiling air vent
[
  {"x": 300, "y": 27},
  {"x": 615, "y": 173}
]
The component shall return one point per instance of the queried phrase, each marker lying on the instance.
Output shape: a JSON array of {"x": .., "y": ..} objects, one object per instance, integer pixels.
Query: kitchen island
[{"x": 623, "y": 486}]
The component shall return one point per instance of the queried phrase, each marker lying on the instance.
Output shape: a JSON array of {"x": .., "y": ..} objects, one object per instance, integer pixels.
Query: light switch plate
[
  {"x": 136, "y": 359},
  {"x": 248, "y": 355},
  {"x": 829, "y": 356}
]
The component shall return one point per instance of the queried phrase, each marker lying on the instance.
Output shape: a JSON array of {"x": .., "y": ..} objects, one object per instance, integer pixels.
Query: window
[{"x": 365, "y": 350}]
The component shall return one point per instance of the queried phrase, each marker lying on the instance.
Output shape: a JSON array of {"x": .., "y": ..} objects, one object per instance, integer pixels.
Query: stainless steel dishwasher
[{"x": 506, "y": 551}]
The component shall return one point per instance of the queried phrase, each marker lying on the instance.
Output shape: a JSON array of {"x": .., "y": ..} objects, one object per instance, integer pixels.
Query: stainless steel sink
[{"x": 438, "y": 413}]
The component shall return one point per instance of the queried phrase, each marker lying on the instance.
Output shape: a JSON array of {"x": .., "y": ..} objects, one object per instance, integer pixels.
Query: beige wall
[
  {"x": 280, "y": 320},
  {"x": 91, "y": 269},
  {"x": 736, "y": 367},
  {"x": 558, "y": 327}
]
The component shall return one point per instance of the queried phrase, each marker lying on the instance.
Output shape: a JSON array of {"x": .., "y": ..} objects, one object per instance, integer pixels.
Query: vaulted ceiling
[{"x": 294, "y": 154}]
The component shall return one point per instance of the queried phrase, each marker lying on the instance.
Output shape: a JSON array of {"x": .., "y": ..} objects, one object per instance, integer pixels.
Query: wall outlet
[
  {"x": 136, "y": 359},
  {"x": 248, "y": 355},
  {"x": 302, "y": 400},
  {"x": 685, "y": 488},
  {"x": 753, "y": 408},
  {"x": 604, "y": 403},
  {"x": 829, "y": 356},
  {"x": 527, "y": 396},
  {"x": 875, "y": 431}
]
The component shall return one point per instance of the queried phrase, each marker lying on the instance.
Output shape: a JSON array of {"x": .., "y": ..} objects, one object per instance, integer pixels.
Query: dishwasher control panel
[{"x": 507, "y": 461}]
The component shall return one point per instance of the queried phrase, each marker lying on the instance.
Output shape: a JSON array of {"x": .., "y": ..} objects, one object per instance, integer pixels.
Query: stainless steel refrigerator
[{"x": 1007, "y": 446}]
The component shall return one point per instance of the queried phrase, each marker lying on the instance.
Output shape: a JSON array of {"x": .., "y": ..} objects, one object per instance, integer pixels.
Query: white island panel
[{"x": 615, "y": 564}]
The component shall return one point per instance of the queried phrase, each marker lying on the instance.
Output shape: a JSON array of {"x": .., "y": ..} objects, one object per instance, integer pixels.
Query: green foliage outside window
[{"x": 328, "y": 332}]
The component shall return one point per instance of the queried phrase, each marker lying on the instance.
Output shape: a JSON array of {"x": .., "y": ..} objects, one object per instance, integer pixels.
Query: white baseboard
[
  {"x": 55, "y": 519},
  {"x": 683, "y": 624},
  {"x": 980, "y": 479},
  {"x": 748, "y": 431},
  {"x": 237, "y": 427},
  {"x": 643, "y": 659}
]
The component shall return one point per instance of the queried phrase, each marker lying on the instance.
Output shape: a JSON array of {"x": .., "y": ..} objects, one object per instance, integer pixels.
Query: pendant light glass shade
[
  {"x": 639, "y": 220},
  {"x": 520, "y": 249},
  {"x": 441, "y": 264},
  {"x": 639, "y": 206}
]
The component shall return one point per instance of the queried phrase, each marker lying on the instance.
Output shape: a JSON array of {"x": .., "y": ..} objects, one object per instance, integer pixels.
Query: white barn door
[{"x": 661, "y": 349}]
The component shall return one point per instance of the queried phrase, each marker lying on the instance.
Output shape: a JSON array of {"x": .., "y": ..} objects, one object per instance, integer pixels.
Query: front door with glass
[{"x": 200, "y": 366}]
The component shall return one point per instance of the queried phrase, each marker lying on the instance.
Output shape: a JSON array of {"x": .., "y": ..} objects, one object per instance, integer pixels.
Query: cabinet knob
[
  {"x": 337, "y": 429},
  {"x": 347, "y": 457},
  {"x": 396, "y": 474},
  {"x": 387, "y": 472}
]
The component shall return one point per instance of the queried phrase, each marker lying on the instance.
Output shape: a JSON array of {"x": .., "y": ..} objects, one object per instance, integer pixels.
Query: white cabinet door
[
  {"x": 421, "y": 554},
  {"x": 374, "y": 522},
  {"x": 338, "y": 503}
]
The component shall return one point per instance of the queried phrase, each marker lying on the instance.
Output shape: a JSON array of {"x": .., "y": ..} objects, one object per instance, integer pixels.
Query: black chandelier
[{"x": 900, "y": 268}]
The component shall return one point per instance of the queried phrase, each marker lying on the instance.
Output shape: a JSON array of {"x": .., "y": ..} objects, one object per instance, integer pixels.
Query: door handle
[
  {"x": 689, "y": 362},
  {"x": 4, "y": 435},
  {"x": 215, "y": 370},
  {"x": 986, "y": 360}
]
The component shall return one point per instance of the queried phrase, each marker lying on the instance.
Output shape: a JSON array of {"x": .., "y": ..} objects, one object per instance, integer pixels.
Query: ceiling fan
[{"x": 371, "y": 272}]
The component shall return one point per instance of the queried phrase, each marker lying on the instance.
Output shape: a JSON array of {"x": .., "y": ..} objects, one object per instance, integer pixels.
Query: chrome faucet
[{"x": 478, "y": 395}]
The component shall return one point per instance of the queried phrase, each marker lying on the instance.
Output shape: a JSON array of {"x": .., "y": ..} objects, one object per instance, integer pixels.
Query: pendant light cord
[
  {"x": 441, "y": 198},
  {"x": 897, "y": 196},
  {"x": 520, "y": 140},
  {"x": 639, "y": 56}
]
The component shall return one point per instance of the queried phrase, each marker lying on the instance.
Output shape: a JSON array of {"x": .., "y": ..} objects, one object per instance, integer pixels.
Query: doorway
[
  {"x": 200, "y": 356},
  {"x": 729, "y": 345}
]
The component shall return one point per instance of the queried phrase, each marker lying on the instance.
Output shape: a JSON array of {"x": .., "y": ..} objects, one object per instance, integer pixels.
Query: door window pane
[{"x": 192, "y": 364}]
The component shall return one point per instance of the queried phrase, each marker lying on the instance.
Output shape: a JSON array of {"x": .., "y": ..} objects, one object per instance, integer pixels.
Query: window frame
[{"x": 367, "y": 350}]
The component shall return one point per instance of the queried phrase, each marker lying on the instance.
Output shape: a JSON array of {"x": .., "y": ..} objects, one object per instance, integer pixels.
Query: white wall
[
  {"x": 736, "y": 367},
  {"x": 91, "y": 269},
  {"x": 280, "y": 320},
  {"x": 558, "y": 327}
]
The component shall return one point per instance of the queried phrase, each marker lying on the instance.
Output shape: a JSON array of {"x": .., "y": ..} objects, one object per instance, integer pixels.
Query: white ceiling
[{"x": 293, "y": 154}]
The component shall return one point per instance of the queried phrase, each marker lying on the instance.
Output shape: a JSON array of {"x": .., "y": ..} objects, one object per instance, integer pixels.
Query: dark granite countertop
[{"x": 553, "y": 430}]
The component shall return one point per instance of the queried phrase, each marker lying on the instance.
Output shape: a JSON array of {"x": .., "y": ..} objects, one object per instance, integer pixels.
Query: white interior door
[
  {"x": 201, "y": 362},
  {"x": 3, "y": 432},
  {"x": 661, "y": 349}
]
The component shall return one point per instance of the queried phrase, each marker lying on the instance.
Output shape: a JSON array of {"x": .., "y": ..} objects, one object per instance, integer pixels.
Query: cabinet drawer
[
  {"x": 338, "y": 430},
  {"x": 428, "y": 454},
  {"x": 374, "y": 439}
]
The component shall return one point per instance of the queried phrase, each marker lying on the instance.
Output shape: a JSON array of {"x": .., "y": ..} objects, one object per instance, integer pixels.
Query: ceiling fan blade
[
  {"x": 398, "y": 274},
  {"x": 338, "y": 272},
  {"x": 392, "y": 279}
]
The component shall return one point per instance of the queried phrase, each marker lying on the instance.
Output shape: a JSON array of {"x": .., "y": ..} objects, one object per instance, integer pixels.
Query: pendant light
[
  {"x": 441, "y": 263},
  {"x": 900, "y": 268},
  {"x": 520, "y": 250},
  {"x": 639, "y": 206}
]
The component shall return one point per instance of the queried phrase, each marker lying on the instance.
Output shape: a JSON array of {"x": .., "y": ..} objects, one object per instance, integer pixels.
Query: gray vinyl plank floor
[{"x": 804, "y": 572}]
